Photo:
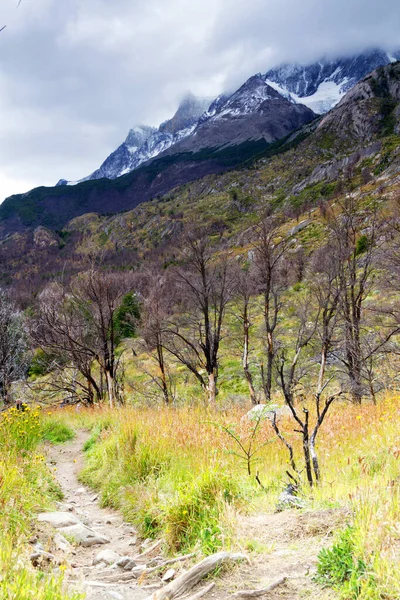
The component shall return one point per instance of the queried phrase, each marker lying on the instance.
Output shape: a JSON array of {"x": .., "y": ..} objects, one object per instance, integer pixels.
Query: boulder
[
  {"x": 84, "y": 536},
  {"x": 58, "y": 519},
  {"x": 109, "y": 557}
]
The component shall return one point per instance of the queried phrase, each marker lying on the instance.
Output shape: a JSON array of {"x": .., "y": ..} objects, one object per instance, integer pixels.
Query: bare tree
[
  {"x": 13, "y": 346},
  {"x": 270, "y": 250},
  {"x": 204, "y": 285},
  {"x": 76, "y": 325},
  {"x": 155, "y": 311},
  {"x": 291, "y": 372},
  {"x": 246, "y": 287},
  {"x": 99, "y": 294},
  {"x": 61, "y": 329},
  {"x": 354, "y": 236}
]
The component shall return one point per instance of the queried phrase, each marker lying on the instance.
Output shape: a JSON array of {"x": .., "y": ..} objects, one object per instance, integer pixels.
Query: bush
[
  {"x": 340, "y": 567},
  {"x": 57, "y": 432}
]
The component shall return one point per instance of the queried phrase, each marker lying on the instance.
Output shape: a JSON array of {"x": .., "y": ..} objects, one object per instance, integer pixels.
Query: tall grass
[
  {"x": 26, "y": 488},
  {"x": 173, "y": 473}
]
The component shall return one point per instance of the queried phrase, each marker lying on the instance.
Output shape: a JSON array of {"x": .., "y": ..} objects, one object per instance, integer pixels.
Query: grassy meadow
[{"x": 176, "y": 473}]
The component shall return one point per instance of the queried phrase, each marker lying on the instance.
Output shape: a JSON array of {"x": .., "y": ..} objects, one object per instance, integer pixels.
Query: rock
[
  {"x": 289, "y": 499},
  {"x": 38, "y": 547},
  {"x": 80, "y": 491},
  {"x": 170, "y": 574},
  {"x": 84, "y": 536},
  {"x": 64, "y": 507},
  {"x": 124, "y": 560},
  {"x": 94, "y": 498},
  {"x": 40, "y": 557},
  {"x": 109, "y": 557},
  {"x": 115, "y": 595},
  {"x": 58, "y": 519},
  {"x": 44, "y": 238},
  {"x": 61, "y": 543},
  {"x": 131, "y": 564}
]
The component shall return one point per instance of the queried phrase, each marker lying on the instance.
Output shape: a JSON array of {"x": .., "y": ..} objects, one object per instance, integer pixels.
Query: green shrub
[
  {"x": 340, "y": 567},
  {"x": 57, "y": 432}
]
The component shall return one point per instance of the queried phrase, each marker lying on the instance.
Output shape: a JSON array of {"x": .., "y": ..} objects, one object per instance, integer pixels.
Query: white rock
[
  {"x": 170, "y": 574},
  {"x": 106, "y": 556},
  {"x": 64, "y": 507},
  {"x": 58, "y": 519},
  {"x": 84, "y": 536},
  {"x": 61, "y": 543}
]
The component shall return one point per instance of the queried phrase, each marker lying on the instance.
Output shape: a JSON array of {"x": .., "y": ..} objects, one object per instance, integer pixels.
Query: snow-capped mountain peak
[
  {"x": 319, "y": 86},
  {"x": 322, "y": 84}
]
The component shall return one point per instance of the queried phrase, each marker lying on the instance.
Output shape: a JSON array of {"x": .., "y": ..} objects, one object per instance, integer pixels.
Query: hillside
[{"x": 353, "y": 148}]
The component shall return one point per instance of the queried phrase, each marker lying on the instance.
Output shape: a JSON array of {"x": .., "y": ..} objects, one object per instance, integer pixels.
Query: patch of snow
[{"x": 282, "y": 91}]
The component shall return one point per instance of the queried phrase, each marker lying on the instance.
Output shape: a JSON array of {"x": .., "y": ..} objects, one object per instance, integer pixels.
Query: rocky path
[{"x": 93, "y": 568}]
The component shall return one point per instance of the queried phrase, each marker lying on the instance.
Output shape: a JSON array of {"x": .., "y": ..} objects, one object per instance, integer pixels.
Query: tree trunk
[
  {"x": 270, "y": 361},
  {"x": 212, "y": 387},
  {"x": 163, "y": 375},
  {"x": 314, "y": 458},
  {"x": 245, "y": 361},
  {"x": 110, "y": 389},
  {"x": 306, "y": 449}
]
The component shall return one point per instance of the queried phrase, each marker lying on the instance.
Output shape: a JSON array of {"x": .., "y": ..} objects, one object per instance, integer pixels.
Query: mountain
[
  {"x": 144, "y": 143},
  {"x": 254, "y": 112},
  {"x": 352, "y": 150},
  {"x": 202, "y": 123},
  {"x": 322, "y": 84}
]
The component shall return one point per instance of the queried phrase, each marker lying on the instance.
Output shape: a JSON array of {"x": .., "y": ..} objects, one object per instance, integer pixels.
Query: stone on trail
[
  {"x": 58, "y": 519},
  {"x": 125, "y": 560},
  {"x": 62, "y": 506},
  {"x": 109, "y": 557},
  {"x": 168, "y": 575},
  {"x": 61, "y": 543},
  {"x": 84, "y": 536}
]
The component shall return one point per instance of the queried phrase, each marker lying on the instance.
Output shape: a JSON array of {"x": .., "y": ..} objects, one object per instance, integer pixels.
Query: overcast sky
[{"x": 75, "y": 75}]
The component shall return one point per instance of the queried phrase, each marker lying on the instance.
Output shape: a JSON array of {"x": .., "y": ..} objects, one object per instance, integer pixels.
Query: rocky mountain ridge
[{"x": 200, "y": 122}]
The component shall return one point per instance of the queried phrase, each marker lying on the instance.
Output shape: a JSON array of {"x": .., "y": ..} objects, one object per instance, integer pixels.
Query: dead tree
[
  {"x": 203, "y": 285},
  {"x": 354, "y": 235},
  {"x": 290, "y": 374},
  {"x": 245, "y": 301},
  {"x": 75, "y": 323},
  {"x": 98, "y": 294},
  {"x": 156, "y": 306},
  {"x": 13, "y": 345},
  {"x": 61, "y": 329},
  {"x": 270, "y": 250}
]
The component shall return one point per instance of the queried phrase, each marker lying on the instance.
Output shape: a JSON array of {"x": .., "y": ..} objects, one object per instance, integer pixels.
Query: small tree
[
  {"x": 156, "y": 306},
  {"x": 13, "y": 347},
  {"x": 246, "y": 287},
  {"x": 203, "y": 286},
  {"x": 270, "y": 251},
  {"x": 291, "y": 371}
]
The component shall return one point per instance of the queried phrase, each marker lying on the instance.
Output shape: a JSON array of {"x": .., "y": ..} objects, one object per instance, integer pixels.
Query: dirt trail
[
  {"x": 286, "y": 543},
  {"x": 68, "y": 460}
]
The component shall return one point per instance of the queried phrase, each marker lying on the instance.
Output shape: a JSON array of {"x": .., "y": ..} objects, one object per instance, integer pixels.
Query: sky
[{"x": 76, "y": 75}]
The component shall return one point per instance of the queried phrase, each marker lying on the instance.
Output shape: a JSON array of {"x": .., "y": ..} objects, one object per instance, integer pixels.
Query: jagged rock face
[
  {"x": 187, "y": 115},
  {"x": 321, "y": 85},
  {"x": 255, "y": 111},
  {"x": 144, "y": 143},
  {"x": 369, "y": 109},
  {"x": 44, "y": 238}
]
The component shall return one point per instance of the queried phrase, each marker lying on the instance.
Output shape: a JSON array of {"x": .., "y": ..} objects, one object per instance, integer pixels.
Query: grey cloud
[{"x": 76, "y": 75}]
